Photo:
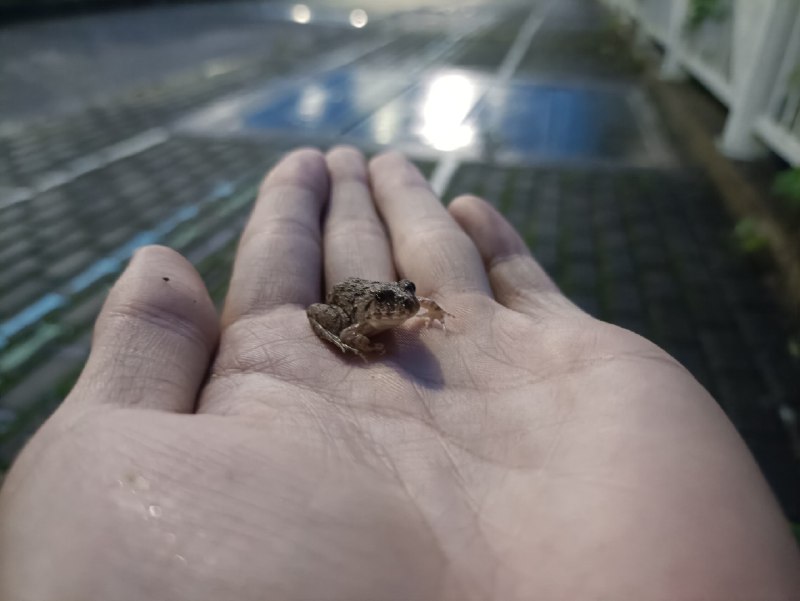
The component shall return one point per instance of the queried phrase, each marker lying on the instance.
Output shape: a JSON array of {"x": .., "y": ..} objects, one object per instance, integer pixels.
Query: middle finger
[{"x": 354, "y": 239}]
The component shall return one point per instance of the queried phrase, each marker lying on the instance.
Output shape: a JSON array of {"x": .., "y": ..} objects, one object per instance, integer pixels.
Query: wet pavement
[{"x": 155, "y": 125}]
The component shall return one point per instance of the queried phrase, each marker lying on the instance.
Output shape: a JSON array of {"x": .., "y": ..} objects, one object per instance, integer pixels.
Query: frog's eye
[
  {"x": 408, "y": 286},
  {"x": 384, "y": 296}
]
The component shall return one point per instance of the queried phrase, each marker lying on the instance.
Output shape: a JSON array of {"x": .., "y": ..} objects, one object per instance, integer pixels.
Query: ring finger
[{"x": 429, "y": 246}]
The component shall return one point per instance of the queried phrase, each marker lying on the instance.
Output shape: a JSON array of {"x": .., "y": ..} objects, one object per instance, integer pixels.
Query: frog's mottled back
[
  {"x": 356, "y": 309},
  {"x": 381, "y": 304}
]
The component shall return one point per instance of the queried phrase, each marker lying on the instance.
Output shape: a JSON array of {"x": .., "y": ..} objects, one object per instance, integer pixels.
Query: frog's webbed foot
[{"x": 433, "y": 312}]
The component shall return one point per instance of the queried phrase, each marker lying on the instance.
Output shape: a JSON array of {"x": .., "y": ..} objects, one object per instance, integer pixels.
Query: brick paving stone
[
  {"x": 726, "y": 350},
  {"x": 660, "y": 285},
  {"x": 583, "y": 276},
  {"x": 642, "y": 230},
  {"x": 651, "y": 255},
  {"x": 71, "y": 264},
  {"x": 587, "y": 302},
  {"x": 744, "y": 396},
  {"x": 613, "y": 239},
  {"x": 83, "y": 312},
  {"x": 671, "y": 323},
  {"x": 68, "y": 243},
  {"x": 694, "y": 272},
  {"x": 669, "y": 318},
  {"x": 707, "y": 308},
  {"x": 581, "y": 246},
  {"x": 546, "y": 255},
  {"x": 116, "y": 236},
  {"x": 625, "y": 298},
  {"x": 781, "y": 373},
  {"x": 692, "y": 358},
  {"x": 7, "y": 419},
  {"x": 23, "y": 428},
  {"x": 48, "y": 208},
  {"x": 560, "y": 52},
  {"x": 620, "y": 266},
  {"x": 16, "y": 297},
  {"x": 8, "y": 234},
  {"x": 16, "y": 251},
  {"x": 18, "y": 271},
  {"x": 761, "y": 328},
  {"x": 746, "y": 298},
  {"x": 770, "y": 452},
  {"x": 634, "y": 323}
]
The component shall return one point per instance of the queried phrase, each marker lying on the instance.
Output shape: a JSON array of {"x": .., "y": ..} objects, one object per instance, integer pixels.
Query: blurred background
[{"x": 645, "y": 150}]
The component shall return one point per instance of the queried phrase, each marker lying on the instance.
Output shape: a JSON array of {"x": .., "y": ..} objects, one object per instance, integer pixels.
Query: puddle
[
  {"x": 444, "y": 110},
  {"x": 562, "y": 122},
  {"x": 329, "y": 104}
]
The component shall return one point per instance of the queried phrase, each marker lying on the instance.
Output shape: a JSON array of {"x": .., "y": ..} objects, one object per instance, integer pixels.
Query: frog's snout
[{"x": 410, "y": 304}]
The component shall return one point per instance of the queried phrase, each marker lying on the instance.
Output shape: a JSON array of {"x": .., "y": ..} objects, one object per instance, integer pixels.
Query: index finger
[{"x": 279, "y": 259}]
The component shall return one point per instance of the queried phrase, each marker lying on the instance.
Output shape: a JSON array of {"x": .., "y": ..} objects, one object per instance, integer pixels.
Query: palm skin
[{"x": 528, "y": 452}]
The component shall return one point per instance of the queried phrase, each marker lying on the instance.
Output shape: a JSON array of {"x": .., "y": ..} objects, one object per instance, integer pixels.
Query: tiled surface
[
  {"x": 54, "y": 66},
  {"x": 559, "y": 148},
  {"x": 560, "y": 122}
]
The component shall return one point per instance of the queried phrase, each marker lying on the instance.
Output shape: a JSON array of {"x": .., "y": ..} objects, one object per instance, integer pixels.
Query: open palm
[{"x": 528, "y": 452}]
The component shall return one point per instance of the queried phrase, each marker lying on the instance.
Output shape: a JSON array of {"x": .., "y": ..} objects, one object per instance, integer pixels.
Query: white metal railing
[
  {"x": 625, "y": 8},
  {"x": 654, "y": 15},
  {"x": 747, "y": 54},
  {"x": 779, "y": 126},
  {"x": 708, "y": 47}
]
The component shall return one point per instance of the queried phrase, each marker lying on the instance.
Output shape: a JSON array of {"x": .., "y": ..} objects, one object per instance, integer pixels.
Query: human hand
[{"x": 529, "y": 452}]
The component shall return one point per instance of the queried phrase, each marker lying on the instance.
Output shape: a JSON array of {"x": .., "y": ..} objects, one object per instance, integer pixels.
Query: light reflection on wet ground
[{"x": 444, "y": 110}]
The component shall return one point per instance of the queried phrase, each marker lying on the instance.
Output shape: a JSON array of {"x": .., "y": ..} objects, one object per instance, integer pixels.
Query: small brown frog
[{"x": 356, "y": 309}]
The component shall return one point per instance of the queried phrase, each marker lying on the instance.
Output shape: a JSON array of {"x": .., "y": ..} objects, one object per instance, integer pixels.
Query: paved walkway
[{"x": 128, "y": 137}]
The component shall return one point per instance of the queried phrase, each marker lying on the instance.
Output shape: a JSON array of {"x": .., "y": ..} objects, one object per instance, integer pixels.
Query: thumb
[{"x": 153, "y": 339}]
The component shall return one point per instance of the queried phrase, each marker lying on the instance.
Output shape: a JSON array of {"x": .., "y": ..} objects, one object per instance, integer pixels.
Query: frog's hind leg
[
  {"x": 326, "y": 335},
  {"x": 324, "y": 320}
]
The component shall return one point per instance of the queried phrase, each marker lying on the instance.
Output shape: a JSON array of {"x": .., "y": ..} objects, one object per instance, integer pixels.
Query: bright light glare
[
  {"x": 448, "y": 101},
  {"x": 312, "y": 103},
  {"x": 301, "y": 13},
  {"x": 358, "y": 18}
]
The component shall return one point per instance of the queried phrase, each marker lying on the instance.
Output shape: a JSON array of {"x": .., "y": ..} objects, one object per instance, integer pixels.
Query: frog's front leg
[
  {"x": 354, "y": 337},
  {"x": 433, "y": 312},
  {"x": 326, "y": 321}
]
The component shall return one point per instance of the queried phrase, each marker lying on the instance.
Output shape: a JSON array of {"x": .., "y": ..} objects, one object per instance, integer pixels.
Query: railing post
[
  {"x": 671, "y": 66},
  {"x": 754, "y": 67}
]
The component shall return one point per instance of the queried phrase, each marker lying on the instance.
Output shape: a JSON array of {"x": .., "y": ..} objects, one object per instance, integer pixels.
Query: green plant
[
  {"x": 749, "y": 236},
  {"x": 701, "y": 11},
  {"x": 787, "y": 186},
  {"x": 793, "y": 346}
]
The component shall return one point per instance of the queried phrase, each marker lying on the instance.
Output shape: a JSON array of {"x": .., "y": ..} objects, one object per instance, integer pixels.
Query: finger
[
  {"x": 279, "y": 256},
  {"x": 153, "y": 339},
  {"x": 354, "y": 239},
  {"x": 428, "y": 245},
  {"x": 517, "y": 280}
]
